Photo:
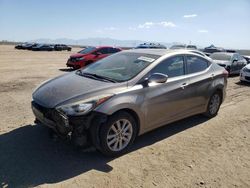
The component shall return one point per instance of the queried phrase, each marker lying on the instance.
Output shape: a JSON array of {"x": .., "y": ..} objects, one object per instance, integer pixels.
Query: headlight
[
  {"x": 82, "y": 107},
  {"x": 246, "y": 69},
  {"x": 80, "y": 58}
]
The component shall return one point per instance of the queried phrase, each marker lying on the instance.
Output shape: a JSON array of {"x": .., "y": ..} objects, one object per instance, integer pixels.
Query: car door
[
  {"x": 200, "y": 77},
  {"x": 166, "y": 102},
  {"x": 235, "y": 63},
  {"x": 242, "y": 62}
]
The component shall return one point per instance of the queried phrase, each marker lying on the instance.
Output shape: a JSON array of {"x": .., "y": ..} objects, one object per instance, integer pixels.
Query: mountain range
[{"x": 97, "y": 42}]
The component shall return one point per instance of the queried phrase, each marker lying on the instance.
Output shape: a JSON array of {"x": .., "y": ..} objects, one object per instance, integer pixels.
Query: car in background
[
  {"x": 25, "y": 46},
  {"x": 231, "y": 51},
  {"x": 191, "y": 47},
  {"x": 212, "y": 49},
  {"x": 247, "y": 58},
  {"x": 20, "y": 46},
  {"x": 89, "y": 55},
  {"x": 43, "y": 47},
  {"x": 151, "y": 45},
  {"x": 60, "y": 47},
  {"x": 178, "y": 46},
  {"x": 245, "y": 74},
  {"x": 110, "y": 102},
  {"x": 232, "y": 62}
]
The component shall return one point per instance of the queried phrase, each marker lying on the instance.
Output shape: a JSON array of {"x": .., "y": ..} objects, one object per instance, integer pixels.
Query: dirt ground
[{"x": 195, "y": 152}]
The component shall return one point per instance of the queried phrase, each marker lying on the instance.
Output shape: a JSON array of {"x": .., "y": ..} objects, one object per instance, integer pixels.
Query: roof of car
[
  {"x": 225, "y": 53},
  {"x": 159, "y": 52}
]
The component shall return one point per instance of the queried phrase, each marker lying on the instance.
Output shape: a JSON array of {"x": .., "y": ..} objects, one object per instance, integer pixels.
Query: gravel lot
[{"x": 195, "y": 152}]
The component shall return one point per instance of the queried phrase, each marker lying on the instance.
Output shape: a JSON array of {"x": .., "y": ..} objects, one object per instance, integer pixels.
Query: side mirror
[{"x": 157, "y": 78}]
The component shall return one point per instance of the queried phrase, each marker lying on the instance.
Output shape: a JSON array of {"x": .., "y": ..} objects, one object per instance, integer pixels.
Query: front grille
[
  {"x": 247, "y": 78},
  {"x": 73, "y": 59}
]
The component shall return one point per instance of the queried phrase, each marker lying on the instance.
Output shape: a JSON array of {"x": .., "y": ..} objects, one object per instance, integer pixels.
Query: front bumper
[
  {"x": 245, "y": 76},
  {"x": 76, "y": 128}
]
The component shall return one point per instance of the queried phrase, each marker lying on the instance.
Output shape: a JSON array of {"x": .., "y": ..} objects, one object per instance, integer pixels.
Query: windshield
[
  {"x": 87, "y": 50},
  {"x": 225, "y": 57},
  {"x": 121, "y": 66}
]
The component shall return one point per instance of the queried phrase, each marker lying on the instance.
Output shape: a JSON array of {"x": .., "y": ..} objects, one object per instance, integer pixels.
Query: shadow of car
[{"x": 29, "y": 158}]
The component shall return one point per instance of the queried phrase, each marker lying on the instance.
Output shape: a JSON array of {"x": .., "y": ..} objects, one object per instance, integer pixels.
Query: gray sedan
[
  {"x": 110, "y": 102},
  {"x": 232, "y": 62}
]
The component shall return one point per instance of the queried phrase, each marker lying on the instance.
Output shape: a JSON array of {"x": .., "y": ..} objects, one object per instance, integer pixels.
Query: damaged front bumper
[{"x": 76, "y": 128}]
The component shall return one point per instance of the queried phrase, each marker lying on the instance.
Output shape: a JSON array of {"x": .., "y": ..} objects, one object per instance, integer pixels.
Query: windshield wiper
[{"x": 96, "y": 76}]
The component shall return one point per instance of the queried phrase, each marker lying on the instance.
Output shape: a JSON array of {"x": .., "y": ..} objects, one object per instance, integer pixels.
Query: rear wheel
[
  {"x": 118, "y": 134},
  {"x": 213, "y": 105}
]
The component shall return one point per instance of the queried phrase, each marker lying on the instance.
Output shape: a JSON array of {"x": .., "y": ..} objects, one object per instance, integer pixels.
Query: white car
[{"x": 245, "y": 74}]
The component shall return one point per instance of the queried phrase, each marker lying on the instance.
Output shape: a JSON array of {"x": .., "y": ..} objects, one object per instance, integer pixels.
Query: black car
[
  {"x": 19, "y": 46},
  {"x": 25, "y": 46},
  {"x": 43, "y": 47},
  {"x": 60, "y": 47},
  {"x": 151, "y": 45},
  {"x": 212, "y": 49}
]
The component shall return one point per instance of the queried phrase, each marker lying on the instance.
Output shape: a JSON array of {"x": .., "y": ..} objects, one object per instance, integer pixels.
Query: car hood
[
  {"x": 222, "y": 62},
  {"x": 78, "y": 55},
  {"x": 70, "y": 88}
]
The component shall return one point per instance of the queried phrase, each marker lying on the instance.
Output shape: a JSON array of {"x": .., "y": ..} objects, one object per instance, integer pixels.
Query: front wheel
[
  {"x": 213, "y": 105},
  {"x": 118, "y": 134}
]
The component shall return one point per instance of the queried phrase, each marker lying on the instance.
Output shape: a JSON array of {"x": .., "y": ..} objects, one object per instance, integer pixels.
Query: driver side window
[{"x": 172, "y": 67}]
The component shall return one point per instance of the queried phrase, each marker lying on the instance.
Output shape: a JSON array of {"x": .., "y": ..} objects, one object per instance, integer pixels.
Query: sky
[{"x": 224, "y": 23}]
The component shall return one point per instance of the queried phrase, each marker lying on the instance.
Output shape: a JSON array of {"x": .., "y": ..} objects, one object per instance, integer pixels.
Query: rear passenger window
[
  {"x": 104, "y": 50},
  {"x": 196, "y": 64},
  {"x": 172, "y": 67},
  {"x": 114, "y": 50}
]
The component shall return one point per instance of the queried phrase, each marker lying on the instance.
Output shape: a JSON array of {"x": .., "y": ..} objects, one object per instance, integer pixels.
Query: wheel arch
[{"x": 133, "y": 114}]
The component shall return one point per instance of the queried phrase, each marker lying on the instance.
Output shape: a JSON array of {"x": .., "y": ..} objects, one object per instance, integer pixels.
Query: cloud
[
  {"x": 148, "y": 25},
  {"x": 190, "y": 16},
  {"x": 203, "y": 31},
  {"x": 132, "y": 28},
  {"x": 167, "y": 24},
  {"x": 111, "y": 28}
]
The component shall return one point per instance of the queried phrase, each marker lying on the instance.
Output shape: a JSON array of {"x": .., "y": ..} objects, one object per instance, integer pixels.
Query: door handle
[{"x": 184, "y": 85}]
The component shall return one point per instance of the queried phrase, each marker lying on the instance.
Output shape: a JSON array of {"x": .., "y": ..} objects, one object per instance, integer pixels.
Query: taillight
[{"x": 225, "y": 73}]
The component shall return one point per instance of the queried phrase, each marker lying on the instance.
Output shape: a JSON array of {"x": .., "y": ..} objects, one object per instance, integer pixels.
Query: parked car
[
  {"x": 43, "y": 47},
  {"x": 29, "y": 47},
  {"x": 232, "y": 62},
  {"x": 89, "y": 55},
  {"x": 212, "y": 49},
  {"x": 245, "y": 74},
  {"x": 178, "y": 46},
  {"x": 20, "y": 46},
  {"x": 111, "y": 102},
  {"x": 24, "y": 46},
  {"x": 247, "y": 58},
  {"x": 192, "y": 47},
  {"x": 151, "y": 45},
  {"x": 60, "y": 47}
]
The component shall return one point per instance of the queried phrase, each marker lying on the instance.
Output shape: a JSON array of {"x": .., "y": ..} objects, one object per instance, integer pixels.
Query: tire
[
  {"x": 213, "y": 105},
  {"x": 121, "y": 137}
]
